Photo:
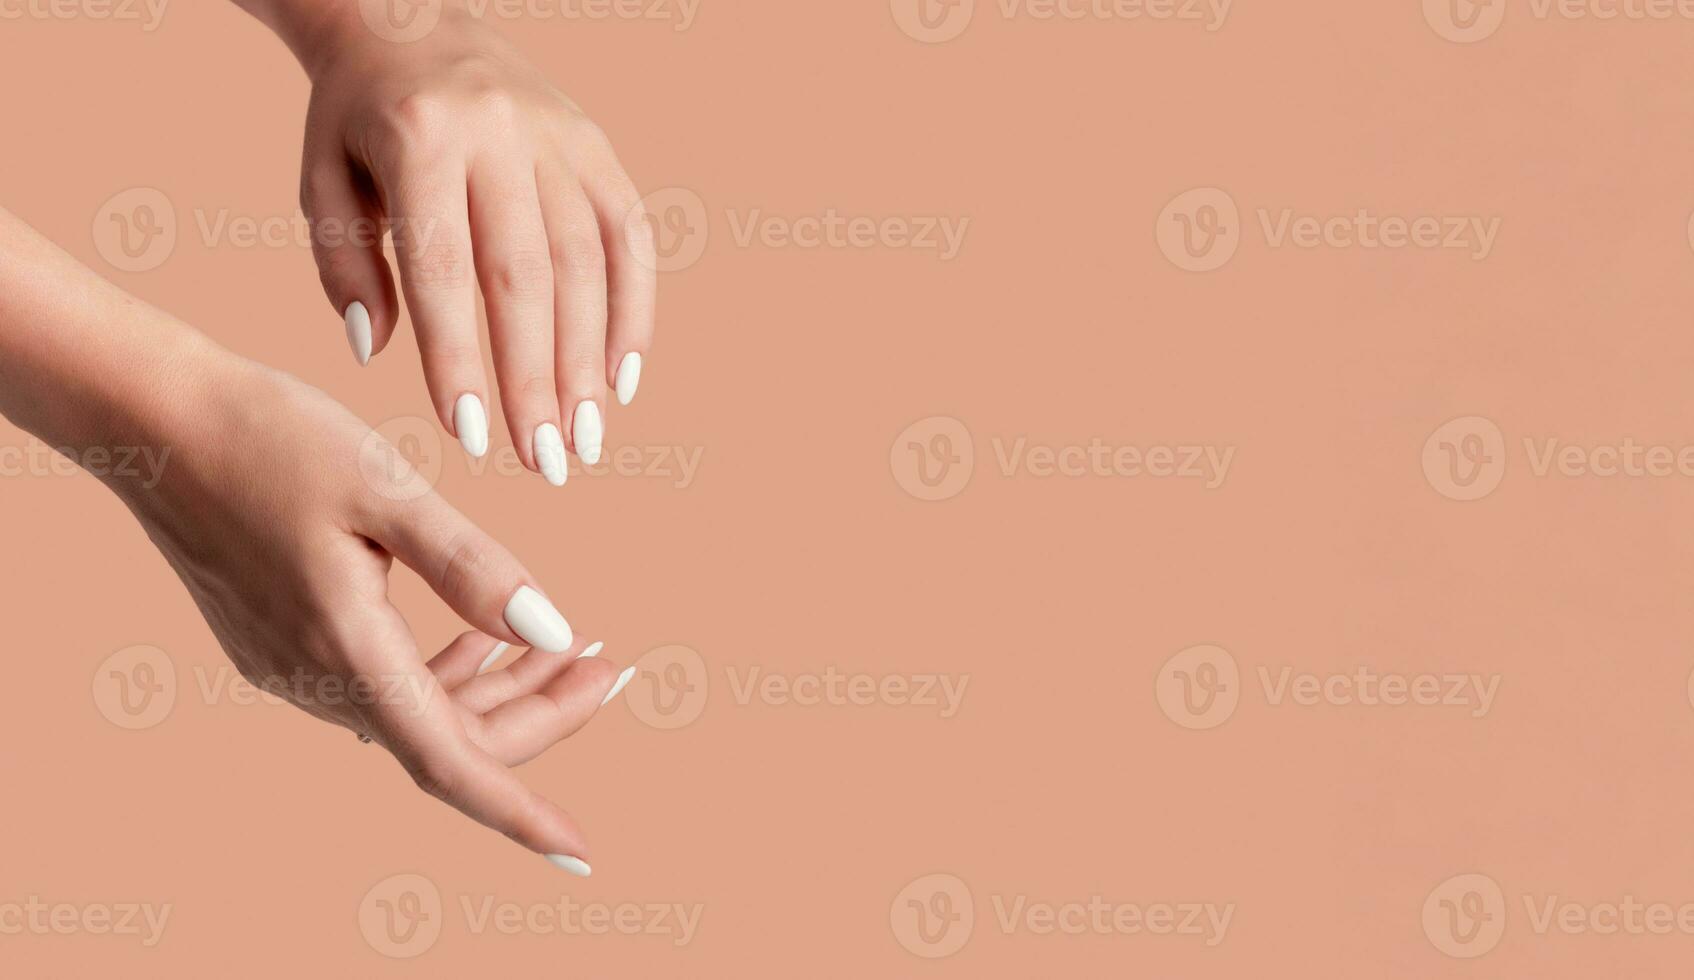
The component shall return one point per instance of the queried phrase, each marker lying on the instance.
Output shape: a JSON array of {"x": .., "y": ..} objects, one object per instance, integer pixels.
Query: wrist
[
  {"x": 321, "y": 32},
  {"x": 311, "y": 29}
]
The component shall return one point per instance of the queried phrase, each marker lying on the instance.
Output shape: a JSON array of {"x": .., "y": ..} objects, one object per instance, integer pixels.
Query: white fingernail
[
  {"x": 550, "y": 453},
  {"x": 586, "y": 432},
  {"x": 499, "y": 648},
  {"x": 470, "y": 420},
  {"x": 592, "y": 651},
  {"x": 576, "y": 866},
  {"x": 532, "y": 617},
  {"x": 359, "y": 332},
  {"x": 623, "y": 679},
  {"x": 629, "y": 377}
]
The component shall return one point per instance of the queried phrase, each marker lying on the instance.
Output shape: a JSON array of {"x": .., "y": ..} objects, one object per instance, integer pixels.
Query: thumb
[
  {"x": 347, "y": 232},
  {"x": 472, "y": 573}
]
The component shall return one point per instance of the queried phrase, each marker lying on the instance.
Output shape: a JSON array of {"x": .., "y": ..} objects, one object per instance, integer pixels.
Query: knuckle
[
  {"x": 522, "y": 273},
  {"x": 585, "y": 132},
  {"x": 434, "y": 777},
  {"x": 450, "y": 354},
  {"x": 418, "y": 121},
  {"x": 437, "y": 264},
  {"x": 582, "y": 365},
  {"x": 467, "y": 562},
  {"x": 338, "y": 267},
  {"x": 581, "y": 260},
  {"x": 638, "y": 237},
  {"x": 537, "y": 392},
  {"x": 498, "y": 105}
]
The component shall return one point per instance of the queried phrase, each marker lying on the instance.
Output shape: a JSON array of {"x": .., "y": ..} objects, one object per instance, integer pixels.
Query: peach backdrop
[{"x": 1253, "y": 543}]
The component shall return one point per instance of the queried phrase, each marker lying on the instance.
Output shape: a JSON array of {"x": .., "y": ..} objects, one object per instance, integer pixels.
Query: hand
[
  {"x": 477, "y": 164},
  {"x": 280, "y": 511}
]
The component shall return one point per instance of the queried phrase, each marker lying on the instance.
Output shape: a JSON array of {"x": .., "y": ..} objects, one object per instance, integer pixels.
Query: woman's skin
[
  {"x": 487, "y": 175},
  {"x": 282, "y": 513}
]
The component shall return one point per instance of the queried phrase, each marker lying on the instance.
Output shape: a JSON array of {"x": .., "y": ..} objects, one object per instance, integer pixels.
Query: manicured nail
[
  {"x": 623, "y": 679},
  {"x": 359, "y": 333},
  {"x": 550, "y": 453},
  {"x": 532, "y": 617},
  {"x": 576, "y": 866},
  {"x": 499, "y": 648},
  {"x": 629, "y": 377},
  {"x": 470, "y": 420},
  {"x": 592, "y": 651},
  {"x": 586, "y": 431}
]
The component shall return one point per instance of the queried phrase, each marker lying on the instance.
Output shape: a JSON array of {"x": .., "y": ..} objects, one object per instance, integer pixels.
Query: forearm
[{"x": 82, "y": 363}]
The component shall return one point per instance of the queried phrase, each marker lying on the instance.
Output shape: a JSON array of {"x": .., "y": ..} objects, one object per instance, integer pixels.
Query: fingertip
[{"x": 573, "y": 865}]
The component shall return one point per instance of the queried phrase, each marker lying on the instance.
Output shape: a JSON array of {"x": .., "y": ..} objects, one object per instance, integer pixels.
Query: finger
[
  {"x": 579, "y": 262},
  {"x": 432, "y": 238},
  {"x": 427, "y": 737},
  {"x": 347, "y": 230},
  {"x": 516, "y": 273},
  {"x": 477, "y": 577},
  {"x": 524, "y": 727},
  {"x": 465, "y": 657},
  {"x": 526, "y": 675},
  {"x": 632, "y": 278}
]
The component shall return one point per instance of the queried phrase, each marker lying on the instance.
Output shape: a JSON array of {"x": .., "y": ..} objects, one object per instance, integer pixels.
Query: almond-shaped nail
[
  {"x": 470, "y": 420},
  {"x": 592, "y": 651},
  {"x": 629, "y": 377},
  {"x": 532, "y": 617},
  {"x": 623, "y": 679},
  {"x": 550, "y": 453},
  {"x": 575, "y": 865},
  {"x": 586, "y": 432},
  {"x": 488, "y": 661},
  {"x": 359, "y": 332}
]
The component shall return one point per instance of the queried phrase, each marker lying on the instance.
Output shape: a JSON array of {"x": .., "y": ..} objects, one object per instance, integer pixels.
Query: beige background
[{"x": 1070, "y": 769}]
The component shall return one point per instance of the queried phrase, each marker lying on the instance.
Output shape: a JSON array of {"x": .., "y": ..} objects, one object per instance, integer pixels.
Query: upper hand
[{"x": 486, "y": 175}]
